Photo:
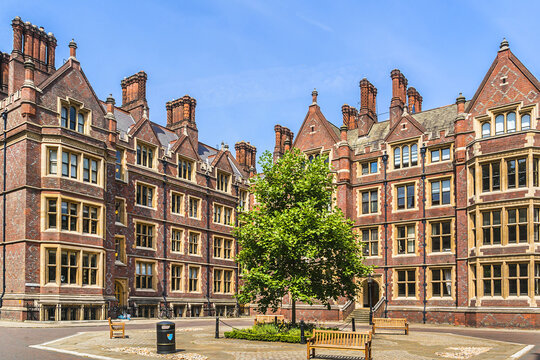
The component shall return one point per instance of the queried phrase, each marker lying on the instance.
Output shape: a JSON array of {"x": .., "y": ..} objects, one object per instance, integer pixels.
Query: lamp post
[{"x": 370, "y": 283}]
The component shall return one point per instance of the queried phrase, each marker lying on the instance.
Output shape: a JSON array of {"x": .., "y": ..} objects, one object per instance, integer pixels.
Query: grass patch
[{"x": 287, "y": 333}]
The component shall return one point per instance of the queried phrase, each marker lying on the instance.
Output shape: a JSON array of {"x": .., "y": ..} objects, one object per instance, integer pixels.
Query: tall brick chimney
[
  {"x": 245, "y": 155},
  {"x": 30, "y": 42},
  {"x": 181, "y": 116},
  {"x": 415, "y": 101},
  {"x": 368, "y": 107},
  {"x": 134, "y": 94},
  {"x": 399, "y": 95},
  {"x": 282, "y": 134}
]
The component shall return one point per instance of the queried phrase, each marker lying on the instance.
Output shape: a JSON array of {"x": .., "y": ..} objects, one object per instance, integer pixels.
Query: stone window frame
[
  {"x": 519, "y": 276},
  {"x": 199, "y": 205},
  {"x": 359, "y": 192},
  {"x": 505, "y": 278},
  {"x": 401, "y": 145},
  {"x": 154, "y": 194},
  {"x": 68, "y": 103},
  {"x": 243, "y": 200},
  {"x": 395, "y": 187},
  {"x": 429, "y": 192},
  {"x": 80, "y": 250},
  {"x": 491, "y": 176},
  {"x": 440, "y": 148},
  {"x": 190, "y": 176},
  {"x": 123, "y": 217},
  {"x": 198, "y": 253},
  {"x": 360, "y": 167},
  {"x": 182, "y": 210},
  {"x": 442, "y": 281},
  {"x": 175, "y": 279},
  {"x": 536, "y": 279},
  {"x": 223, "y": 181},
  {"x": 120, "y": 166},
  {"x": 370, "y": 242},
  {"x": 81, "y": 156},
  {"x": 198, "y": 279},
  {"x": 149, "y": 224},
  {"x": 120, "y": 256},
  {"x": 222, "y": 211},
  {"x": 516, "y": 174},
  {"x": 155, "y": 274},
  {"x": 395, "y": 239},
  {"x": 222, "y": 281},
  {"x": 45, "y": 197},
  {"x": 370, "y": 201},
  {"x": 429, "y": 235},
  {"x": 217, "y": 250},
  {"x": 180, "y": 242},
  {"x": 396, "y": 282},
  {"x": 149, "y": 146},
  {"x": 492, "y": 114}
]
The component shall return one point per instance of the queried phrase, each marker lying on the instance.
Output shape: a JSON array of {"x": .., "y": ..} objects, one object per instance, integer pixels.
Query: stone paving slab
[{"x": 199, "y": 344}]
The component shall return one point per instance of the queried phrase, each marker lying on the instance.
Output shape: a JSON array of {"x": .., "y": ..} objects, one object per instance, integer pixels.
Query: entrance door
[
  {"x": 120, "y": 292},
  {"x": 374, "y": 293}
]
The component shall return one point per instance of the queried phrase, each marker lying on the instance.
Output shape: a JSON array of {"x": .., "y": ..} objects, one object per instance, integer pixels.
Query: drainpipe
[
  {"x": 236, "y": 248},
  {"x": 385, "y": 162},
  {"x": 164, "y": 281},
  {"x": 423, "y": 153},
  {"x": 4, "y": 116},
  {"x": 455, "y": 226},
  {"x": 208, "y": 239}
]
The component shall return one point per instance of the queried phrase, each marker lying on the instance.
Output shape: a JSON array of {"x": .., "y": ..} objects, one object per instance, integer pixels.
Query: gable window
[
  {"x": 405, "y": 196},
  {"x": 194, "y": 207},
  {"x": 144, "y": 234},
  {"x": 518, "y": 279},
  {"x": 486, "y": 129},
  {"x": 74, "y": 118},
  {"x": 491, "y": 177},
  {"x": 405, "y": 156},
  {"x": 145, "y": 195},
  {"x": 185, "y": 168},
  {"x": 492, "y": 276},
  {"x": 442, "y": 154},
  {"x": 406, "y": 283},
  {"x": 440, "y": 192},
  {"x": 441, "y": 236},
  {"x": 441, "y": 282},
  {"x": 176, "y": 277},
  {"x": 507, "y": 122},
  {"x": 223, "y": 182},
  {"x": 370, "y": 202},
  {"x": 370, "y": 238},
  {"x": 145, "y": 155},
  {"x": 177, "y": 203},
  {"x": 120, "y": 164},
  {"x": 193, "y": 243},
  {"x": 491, "y": 227},
  {"x": 525, "y": 121},
  {"x": 176, "y": 240},
  {"x": 516, "y": 173},
  {"x": 370, "y": 167},
  {"x": 406, "y": 236},
  {"x": 517, "y": 225}
]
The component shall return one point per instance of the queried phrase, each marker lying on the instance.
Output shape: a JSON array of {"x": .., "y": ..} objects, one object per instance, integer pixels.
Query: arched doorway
[
  {"x": 120, "y": 292},
  {"x": 375, "y": 293}
]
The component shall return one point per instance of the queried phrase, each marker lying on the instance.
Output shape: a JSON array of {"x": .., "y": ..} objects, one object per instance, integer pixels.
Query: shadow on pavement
[{"x": 338, "y": 357}]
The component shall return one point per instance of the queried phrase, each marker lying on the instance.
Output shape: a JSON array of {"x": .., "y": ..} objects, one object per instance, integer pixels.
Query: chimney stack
[
  {"x": 28, "y": 90},
  {"x": 181, "y": 116},
  {"x": 111, "y": 119},
  {"x": 134, "y": 94},
  {"x": 245, "y": 155},
  {"x": 415, "y": 100},
  {"x": 460, "y": 101},
  {"x": 368, "y": 108},
  {"x": 399, "y": 91},
  {"x": 73, "y": 49},
  {"x": 282, "y": 134}
]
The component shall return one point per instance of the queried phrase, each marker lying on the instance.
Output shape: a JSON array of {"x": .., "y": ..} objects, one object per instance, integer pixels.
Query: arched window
[
  {"x": 406, "y": 156},
  {"x": 486, "y": 129},
  {"x": 64, "y": 116},
  {"x": 72, "y": 118},
  {"x": 525, "y": 122},
  {"x": 414, "y": 155},
  {"x": 499, "y": 124},
  {"x": 511, "y": 122},
  {"x": 397, "y": 158},
  {"x": 81, "y": 123}
]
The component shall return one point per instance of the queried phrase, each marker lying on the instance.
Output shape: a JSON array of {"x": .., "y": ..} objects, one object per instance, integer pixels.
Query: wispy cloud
[{"x": 316, "y": 23}]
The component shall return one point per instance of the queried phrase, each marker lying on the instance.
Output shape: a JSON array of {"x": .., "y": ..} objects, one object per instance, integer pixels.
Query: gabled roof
[
  {"x": 165, "y": 136},
  {"x": 314, "y": 112},
  {"x": 206, "y": 152}
]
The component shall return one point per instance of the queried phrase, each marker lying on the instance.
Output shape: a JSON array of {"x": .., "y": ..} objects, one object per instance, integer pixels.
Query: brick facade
[
  {"x": 91, "y": 222},
  {"x": 454, "y": 239}
]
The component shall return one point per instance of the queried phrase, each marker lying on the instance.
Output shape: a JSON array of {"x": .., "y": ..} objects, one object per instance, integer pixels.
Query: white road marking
[
  {"x": 522, "y": 352},
  {"x": 75, "y": 353}
]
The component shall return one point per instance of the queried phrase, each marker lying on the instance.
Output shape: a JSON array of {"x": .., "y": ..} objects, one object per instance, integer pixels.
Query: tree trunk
[{"x": 293, "y": 312}]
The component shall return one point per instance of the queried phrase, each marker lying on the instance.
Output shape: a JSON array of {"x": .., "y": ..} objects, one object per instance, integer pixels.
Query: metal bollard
[
  {"x": 353, "y": 325},
  {"x": 302, "y": 336},
  {"x": 217, "y": 328},
  {"x": 275, "y": 321}
]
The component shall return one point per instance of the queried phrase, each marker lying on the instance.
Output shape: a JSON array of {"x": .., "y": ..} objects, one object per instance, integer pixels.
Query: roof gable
[
  {"x": 407, "y": 127},
  {"x": 184, "y": 146},
  {"x": 506, "y": 81},
  {"x": 145, "y": 131},
  {"x": 315, "y": 129}
]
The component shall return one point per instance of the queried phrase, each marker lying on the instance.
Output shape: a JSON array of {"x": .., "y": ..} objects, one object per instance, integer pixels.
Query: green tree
[{"x": 295, "y": 241}]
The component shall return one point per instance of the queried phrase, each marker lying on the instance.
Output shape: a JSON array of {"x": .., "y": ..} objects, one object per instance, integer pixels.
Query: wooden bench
[
  {"x": 265, "y": 319},
  {"x": 117, "y": 329},
  {"x": 343, "y": 340},
  {"x": 383, "y": 323}
]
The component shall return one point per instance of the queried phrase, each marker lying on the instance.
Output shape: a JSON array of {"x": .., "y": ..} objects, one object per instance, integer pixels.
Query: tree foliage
[{"x": 294, "y": 240}]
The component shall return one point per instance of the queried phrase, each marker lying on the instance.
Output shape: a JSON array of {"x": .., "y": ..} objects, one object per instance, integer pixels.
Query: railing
[
  {"x": 378, "y": 306},
  {"x": 348, "y": 308}
]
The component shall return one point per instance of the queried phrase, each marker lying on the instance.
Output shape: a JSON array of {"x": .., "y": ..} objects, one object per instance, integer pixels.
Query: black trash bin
[{"x": 166, "y": 339}]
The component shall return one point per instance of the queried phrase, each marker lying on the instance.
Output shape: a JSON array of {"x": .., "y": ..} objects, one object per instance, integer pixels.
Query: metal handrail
[{"x": 379, "y": 303}]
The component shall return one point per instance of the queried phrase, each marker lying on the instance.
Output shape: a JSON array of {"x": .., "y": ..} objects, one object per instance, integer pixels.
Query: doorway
[{"x": 375, "y": 296}]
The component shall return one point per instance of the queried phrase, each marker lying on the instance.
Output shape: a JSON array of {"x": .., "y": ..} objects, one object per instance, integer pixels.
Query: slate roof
[
  {"x": 235, "y": 169},
  {"x": 165, "y": 136},
  {"x": 206, "y": 151}
]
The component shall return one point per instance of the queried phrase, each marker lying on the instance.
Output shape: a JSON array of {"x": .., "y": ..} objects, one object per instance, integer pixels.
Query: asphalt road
[{"x": 14, "y": 341}]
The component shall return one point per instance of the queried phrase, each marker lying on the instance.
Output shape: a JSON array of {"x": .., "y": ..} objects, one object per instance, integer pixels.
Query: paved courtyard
[{"x": 198, "y": 343}]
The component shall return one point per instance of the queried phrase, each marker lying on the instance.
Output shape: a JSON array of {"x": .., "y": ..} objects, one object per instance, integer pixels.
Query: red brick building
[
  {"x": 106, "y": 208},
  {"x": 446, "y": 200}
]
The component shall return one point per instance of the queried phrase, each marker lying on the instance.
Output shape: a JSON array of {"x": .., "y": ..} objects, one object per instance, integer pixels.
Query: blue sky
[{"x": 253, "y": 64}]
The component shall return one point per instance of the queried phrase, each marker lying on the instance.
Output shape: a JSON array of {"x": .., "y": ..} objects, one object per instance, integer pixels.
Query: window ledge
[
  {"x": 145, "y": 248},
  {"x": 145, "y": 207},
  {"x": 440, "y": 253},
  {"x": 145, "y": 290},
  {"x": 120, "y": 224},
  {"x": 197, "y": 255},
  {"x": 119, "y": 263},
  {"x": 405, "y": 255},
  {"x": 406, "y": 298},
  {"x": 439, "y": 206}
]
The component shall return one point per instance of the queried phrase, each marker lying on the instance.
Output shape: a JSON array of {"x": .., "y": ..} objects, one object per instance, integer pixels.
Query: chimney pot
[
  {"x": 314, "y": 95},
  {"x": 73, "y": 48}
]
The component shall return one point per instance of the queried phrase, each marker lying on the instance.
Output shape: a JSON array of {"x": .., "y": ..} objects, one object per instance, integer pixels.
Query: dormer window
[
  {"x": 185, "y": 169},
  {"x": 405, "y": 156},
  {"x": 73, "y": 117},
  {"x": 223, "y": 181},
  {"x": 145, "y": 155}
]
